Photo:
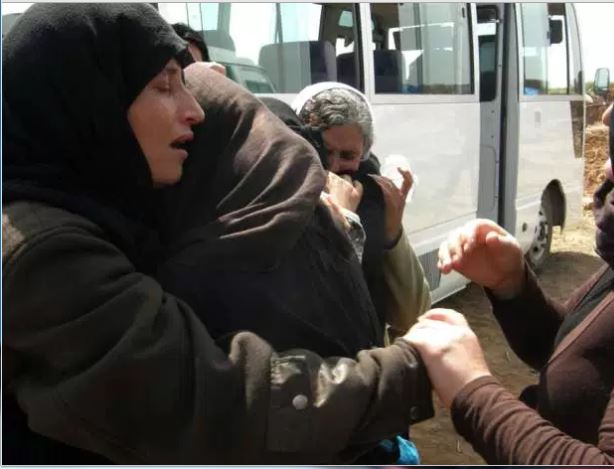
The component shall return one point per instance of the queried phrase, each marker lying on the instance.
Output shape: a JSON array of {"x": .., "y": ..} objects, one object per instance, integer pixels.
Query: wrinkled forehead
[{"x": 344, "y": 138}]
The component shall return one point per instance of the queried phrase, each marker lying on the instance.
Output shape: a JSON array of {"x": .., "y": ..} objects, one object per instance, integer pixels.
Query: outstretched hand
[
  {"x": 486, "y": 254},
  {"x": 394, "y": 199}
]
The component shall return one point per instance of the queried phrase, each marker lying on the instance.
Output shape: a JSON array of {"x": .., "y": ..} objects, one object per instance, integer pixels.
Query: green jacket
[{"x": 100, "y": 358}]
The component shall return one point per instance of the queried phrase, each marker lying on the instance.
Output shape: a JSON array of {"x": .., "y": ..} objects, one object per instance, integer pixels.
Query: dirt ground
[{"x": 571, "y": 263}]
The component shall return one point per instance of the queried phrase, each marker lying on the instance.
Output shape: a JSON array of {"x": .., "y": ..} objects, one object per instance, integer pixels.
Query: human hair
[
  {"x": 188, "y": 34},
  {"x": 339, "y": 106}
]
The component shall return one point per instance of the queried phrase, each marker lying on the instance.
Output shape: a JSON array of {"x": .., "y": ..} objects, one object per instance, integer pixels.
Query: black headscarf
[
  {"x": 371, "y": 208},
  {"x": 313, "y": 135},
  {"x": 70, "y": 73}
]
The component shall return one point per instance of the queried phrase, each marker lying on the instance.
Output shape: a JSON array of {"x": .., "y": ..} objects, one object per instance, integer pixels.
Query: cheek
[
  {"x": 150, "y": 119},
  {"x": 333, "y": 163}
]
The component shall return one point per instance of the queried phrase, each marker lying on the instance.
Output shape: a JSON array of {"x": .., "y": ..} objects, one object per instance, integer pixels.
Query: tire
[{"x": 539, "y": 251}]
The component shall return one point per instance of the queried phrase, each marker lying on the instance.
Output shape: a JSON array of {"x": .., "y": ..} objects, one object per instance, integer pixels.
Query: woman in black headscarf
[{"x": 99, "y": 363}]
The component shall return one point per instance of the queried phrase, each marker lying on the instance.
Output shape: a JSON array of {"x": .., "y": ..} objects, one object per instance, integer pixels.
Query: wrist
[
  {"x": 512, "y": 287},
  {"x": 394, "y": 240},
  {"x": 468, "y": 379}
]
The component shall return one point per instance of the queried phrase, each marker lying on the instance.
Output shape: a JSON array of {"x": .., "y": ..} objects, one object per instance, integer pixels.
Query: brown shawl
[{"x": 257, "y": 184}]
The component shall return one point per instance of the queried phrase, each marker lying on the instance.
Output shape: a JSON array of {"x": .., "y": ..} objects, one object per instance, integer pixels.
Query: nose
[{"x": 193, "y": 113}]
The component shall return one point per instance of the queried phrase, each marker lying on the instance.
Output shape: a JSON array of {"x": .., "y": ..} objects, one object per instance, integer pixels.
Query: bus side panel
[{"x": 440, "y": 142}]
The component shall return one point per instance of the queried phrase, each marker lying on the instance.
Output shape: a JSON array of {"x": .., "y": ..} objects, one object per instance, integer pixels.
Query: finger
[
  {"x": 359, "y": 188},
  {"x": 383, "y": 186},
  {"x": 482, "y": 227},
  {"x": 329, "y": 181},
  {"x": 444, "y": 260},
  {"x": 469, "y": 238},
  {"x": 424, "y": 332},
  {"x": 347, "y": 178},
  {"x": 427, "y": 333},
  {"x": 497, "y": 242},
  {"x": 408, "y": 182},
  {"x": 389, "y": 190},
  {"x": 336, "y": 212},
  {"x": 455, "y": 246},
  {"x": 448, "y": 316}
]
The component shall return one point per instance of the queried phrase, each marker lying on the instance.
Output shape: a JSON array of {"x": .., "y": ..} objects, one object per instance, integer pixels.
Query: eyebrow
[{"x": 172, "y": 69}]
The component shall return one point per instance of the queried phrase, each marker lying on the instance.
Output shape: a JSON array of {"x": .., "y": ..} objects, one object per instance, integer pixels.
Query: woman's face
[
  {"x": 161, "y": 117},
  {"x": 344, "y": 148}
]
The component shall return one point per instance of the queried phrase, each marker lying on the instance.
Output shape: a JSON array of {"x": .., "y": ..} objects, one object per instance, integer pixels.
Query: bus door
[
  {"x": 550, "y": 125},
  {"x": 490, "y": 42}
]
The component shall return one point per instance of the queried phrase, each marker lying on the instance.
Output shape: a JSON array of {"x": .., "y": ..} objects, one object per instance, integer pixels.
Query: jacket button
[{"x": 300, "y": 402}]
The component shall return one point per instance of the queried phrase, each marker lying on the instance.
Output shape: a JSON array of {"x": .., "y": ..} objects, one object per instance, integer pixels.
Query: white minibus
[{"x": 484, "y": 101}]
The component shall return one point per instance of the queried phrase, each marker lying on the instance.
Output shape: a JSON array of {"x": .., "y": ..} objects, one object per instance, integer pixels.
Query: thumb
[{"x": 359, "y": 188}]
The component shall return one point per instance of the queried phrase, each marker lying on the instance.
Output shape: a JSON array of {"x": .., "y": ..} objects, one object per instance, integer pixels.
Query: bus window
[
  {"x": 422, "y": 48},
  {"x": 575, "y": 69},
  {"x": 488, "y": 24},
  {"x": 275, "y": 47},
  {"x": 544, "y": 52}
]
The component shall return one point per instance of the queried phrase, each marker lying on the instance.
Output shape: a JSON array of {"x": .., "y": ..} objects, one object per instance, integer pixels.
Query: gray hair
[{"x": 338, "y": 106}]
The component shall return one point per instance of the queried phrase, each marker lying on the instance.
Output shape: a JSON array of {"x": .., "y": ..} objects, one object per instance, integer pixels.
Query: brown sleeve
[
  {"x": 119, "y": 368},
  {"x": 503, "y": 430},
  {"x": 529, "y": 321}
]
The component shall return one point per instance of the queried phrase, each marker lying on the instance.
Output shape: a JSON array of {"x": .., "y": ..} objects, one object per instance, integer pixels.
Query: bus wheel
[{"x": 542, "y": 241}]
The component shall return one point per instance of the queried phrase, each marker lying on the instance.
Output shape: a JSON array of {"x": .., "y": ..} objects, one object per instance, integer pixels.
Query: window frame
[
  {"x": 522, "y": 97},
  {"x": 417, "y": 98}
]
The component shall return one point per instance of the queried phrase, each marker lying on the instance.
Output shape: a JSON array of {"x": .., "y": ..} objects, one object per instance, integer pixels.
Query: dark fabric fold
[{"x": 251, "y": 247}]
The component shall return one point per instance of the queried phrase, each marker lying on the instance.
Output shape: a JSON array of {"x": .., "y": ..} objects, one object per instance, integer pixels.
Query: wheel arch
[{"x": 556, "y": 195}]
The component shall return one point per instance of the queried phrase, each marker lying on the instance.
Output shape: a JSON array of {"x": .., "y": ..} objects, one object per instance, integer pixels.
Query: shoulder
[
  {"x": 36, "y": 227},
  {"x": 25, "y": 223},
  {"x": 69, "y": 265}
]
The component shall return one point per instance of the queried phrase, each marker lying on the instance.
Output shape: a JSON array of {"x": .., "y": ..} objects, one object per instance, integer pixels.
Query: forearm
[
  {"x": 408, "y": 291},
  {"x": 529, "y": 321},
  {"x": 503, "y": 430}
]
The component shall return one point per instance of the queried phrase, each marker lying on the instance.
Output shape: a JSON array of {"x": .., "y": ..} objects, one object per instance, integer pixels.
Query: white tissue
[{"x": 389, "y": 170}]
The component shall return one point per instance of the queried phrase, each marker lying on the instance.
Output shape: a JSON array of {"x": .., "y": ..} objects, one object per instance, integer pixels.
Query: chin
[{"x": 169, "y": 178}]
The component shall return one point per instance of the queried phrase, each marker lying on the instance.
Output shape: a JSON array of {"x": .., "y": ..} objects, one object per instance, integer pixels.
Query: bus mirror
[
  {"x": 601, "y": 85},
  {"x": 556, "y": 31}
]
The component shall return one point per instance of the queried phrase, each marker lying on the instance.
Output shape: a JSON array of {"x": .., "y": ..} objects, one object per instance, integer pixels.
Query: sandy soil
[{"x": 571, "y": 263}]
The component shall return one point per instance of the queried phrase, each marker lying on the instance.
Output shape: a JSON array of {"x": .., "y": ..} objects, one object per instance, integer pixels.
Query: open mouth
[{"x": 182, "y": 143}]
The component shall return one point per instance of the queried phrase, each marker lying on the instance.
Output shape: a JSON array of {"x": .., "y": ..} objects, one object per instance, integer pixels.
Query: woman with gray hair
[{"x": 394, "y": 275}]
